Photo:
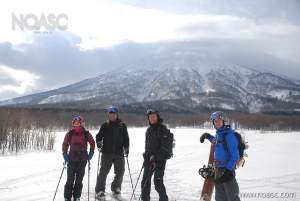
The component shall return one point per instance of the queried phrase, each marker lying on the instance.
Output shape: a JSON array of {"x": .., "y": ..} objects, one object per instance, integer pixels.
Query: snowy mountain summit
[{"x": 228, "y": 87}]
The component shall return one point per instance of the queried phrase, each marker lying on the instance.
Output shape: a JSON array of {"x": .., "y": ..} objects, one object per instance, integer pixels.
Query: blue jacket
[{"x": 225, "y": 157}]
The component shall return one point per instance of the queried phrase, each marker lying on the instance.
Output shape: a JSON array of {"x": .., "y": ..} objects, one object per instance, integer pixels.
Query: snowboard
[{"x": 207, "y": 173}]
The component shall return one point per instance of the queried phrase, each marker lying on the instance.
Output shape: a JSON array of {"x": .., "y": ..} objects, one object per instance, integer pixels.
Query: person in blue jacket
[{"x": 226, "y": 156}]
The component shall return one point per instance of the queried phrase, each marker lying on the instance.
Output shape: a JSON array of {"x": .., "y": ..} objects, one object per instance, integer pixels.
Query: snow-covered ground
[{"x": 272, "y": 168}]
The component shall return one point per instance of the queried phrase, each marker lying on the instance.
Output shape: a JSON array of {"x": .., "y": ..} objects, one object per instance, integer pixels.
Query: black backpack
[
  {"x": 168, "y": 143},
  {"x": 241, "y": 144}
]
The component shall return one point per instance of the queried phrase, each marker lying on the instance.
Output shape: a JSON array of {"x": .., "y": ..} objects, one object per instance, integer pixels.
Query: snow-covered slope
[
  {"x": 34, "y": 176},
  {"x": 229, "y": 87}
]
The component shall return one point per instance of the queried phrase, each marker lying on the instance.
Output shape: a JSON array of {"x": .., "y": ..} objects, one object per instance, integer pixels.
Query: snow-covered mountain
[{"x": 179, "y": 88}]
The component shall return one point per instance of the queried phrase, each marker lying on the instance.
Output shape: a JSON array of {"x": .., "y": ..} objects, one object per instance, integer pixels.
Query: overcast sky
[{"x": 105, "y": 35}]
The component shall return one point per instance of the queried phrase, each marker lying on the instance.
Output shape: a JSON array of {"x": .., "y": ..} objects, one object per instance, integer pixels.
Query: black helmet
[{"x": 152, "y": 111}]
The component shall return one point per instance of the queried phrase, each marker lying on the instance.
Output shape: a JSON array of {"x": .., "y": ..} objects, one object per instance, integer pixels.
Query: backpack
[
  {"x": 85, "y": 136},
  {"x": 76, "y": 151},
  {"x": 242, "y": 146},
  {"x": 168, "y": 143}
]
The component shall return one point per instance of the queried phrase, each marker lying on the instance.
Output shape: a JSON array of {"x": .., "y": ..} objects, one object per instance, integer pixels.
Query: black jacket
[
  {"x": 153, "y": 144},
  {"x": 115, "y": 137}
]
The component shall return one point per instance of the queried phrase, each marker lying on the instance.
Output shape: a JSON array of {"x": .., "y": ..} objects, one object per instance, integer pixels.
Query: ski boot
[
  {"x": 116, "y": 191},
  {"x": 100, "y": 195}
]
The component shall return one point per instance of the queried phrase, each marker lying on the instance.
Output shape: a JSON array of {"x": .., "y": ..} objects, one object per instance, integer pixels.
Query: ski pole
[
  {"x": 98, "y": 168},
  {"x": 130, "y": 176},
  {"x": 137, "y": 182},
  {"x": 62, "y": 171},
  {"x": 89, "y": 169}
]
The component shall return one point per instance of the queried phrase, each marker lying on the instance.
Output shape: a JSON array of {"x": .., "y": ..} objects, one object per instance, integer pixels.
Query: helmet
[
  {"x": 217, "y": 115},
  {"x": 151, "y": 111},
  {"x": 112, "y": 109},
  {"x": 77, "y": 118}
]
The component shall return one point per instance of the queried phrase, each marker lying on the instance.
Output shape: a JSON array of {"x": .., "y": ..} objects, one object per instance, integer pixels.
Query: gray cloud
[
  {"x": 259, "y": 10},
  {"x": 59, "y": 61},
  {"x": 219, "y": 52}
]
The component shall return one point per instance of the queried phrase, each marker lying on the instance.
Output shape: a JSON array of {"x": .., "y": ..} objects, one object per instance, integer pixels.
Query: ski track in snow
[{"x": 268, "y": 169}]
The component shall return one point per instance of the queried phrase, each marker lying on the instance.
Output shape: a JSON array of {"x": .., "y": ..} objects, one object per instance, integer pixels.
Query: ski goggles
[
  {"x": 151, "y": 111},
  {"x": 77, "y": 118}
]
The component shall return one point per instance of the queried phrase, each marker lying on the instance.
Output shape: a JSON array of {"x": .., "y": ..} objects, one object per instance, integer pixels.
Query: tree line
[{"x": 34, "y": 128}]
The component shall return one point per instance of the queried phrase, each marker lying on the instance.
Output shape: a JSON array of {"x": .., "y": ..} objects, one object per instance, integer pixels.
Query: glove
[
  {"x": 144, "y": 156},
  {"x": 126, "y": 151},
  {"x": 205, "y": 136},
  {"x": 66, "y": 157},
  {"x": 223, "y": 175},
  {"x": 152, "y": 162},
  {"x": 100, "y": 145},
  {"x": 90, "y": 155}
]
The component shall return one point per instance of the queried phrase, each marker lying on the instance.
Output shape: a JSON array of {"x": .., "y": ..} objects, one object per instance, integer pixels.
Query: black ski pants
[
  {"x": 158, "y": 180},
  {"x": 227, "y": 191},
  {"x": 75, "y": 174},
  {"x": 107, "y": 160}
]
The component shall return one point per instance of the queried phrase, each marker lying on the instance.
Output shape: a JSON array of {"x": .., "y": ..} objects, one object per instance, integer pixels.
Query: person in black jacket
[
  {"x": 113, "y": 141},
  {"x": 155, "y": 157}
]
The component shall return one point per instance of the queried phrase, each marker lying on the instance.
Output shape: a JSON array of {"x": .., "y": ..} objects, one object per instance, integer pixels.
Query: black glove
[
  {"x": 223, "y": 175},
  {"x": 145, "y": 156},
  {"x": 126, "y": 151},
  {"x": 152, "y": 162},
  {"x": 205, "y": 136}
]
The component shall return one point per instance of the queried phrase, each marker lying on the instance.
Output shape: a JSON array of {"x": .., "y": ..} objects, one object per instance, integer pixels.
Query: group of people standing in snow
[{"x": 112, "y": 141}]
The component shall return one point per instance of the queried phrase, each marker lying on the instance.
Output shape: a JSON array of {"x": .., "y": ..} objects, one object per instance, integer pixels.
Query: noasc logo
[{"x": 33, "y": 22}]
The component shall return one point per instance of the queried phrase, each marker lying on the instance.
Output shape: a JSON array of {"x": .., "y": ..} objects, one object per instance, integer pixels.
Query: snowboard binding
[{"x": 207, "y": 171}]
